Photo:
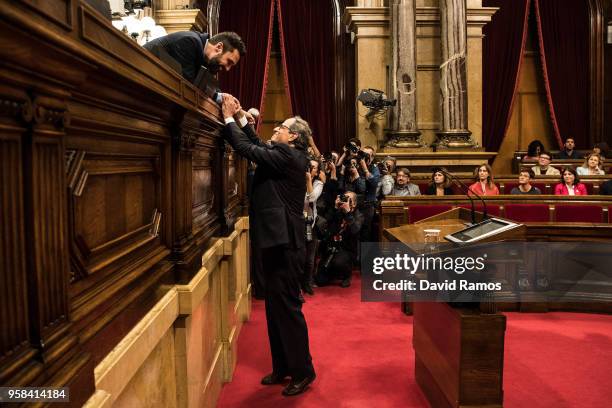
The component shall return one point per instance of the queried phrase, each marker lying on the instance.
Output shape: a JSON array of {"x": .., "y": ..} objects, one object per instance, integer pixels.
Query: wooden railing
[
  {"x": 114, "y": 181},
  {"x": 395, "y": 211}
]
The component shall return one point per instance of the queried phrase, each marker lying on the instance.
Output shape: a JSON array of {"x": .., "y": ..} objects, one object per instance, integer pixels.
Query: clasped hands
[{"x": 230, "y": 107}]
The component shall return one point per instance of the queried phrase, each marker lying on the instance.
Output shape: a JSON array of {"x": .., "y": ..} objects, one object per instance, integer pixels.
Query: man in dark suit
[
  {"x": 192, "y": 50},
  {"x": 278, "y": 232}
]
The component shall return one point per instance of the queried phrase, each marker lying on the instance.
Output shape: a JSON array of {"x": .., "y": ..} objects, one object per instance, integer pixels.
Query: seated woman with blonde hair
[
  {"x": 484, "y": 185},
  {"x": 592, "y": 166},
  {"x": 570, "y": 183}
]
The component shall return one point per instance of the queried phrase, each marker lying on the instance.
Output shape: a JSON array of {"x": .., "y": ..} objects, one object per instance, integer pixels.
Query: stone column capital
[
  {"x": 181, "y": 20},
  {"x": 367, "y": 22},
  {"x": 475, "y": 16}
]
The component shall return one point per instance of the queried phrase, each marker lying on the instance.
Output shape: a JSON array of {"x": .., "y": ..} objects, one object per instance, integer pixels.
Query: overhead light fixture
[{"x": 140, "y": 26}]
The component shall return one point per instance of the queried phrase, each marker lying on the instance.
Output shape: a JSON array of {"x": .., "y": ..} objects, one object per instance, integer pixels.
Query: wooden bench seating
[
  {"x": 395, "y": 211},
  {"x": 507, "y": 182},
  {"x": 517, "y": 161}
]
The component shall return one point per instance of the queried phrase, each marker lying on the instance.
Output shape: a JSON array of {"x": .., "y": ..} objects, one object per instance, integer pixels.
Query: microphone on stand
[{"x": 467, "y": 192}]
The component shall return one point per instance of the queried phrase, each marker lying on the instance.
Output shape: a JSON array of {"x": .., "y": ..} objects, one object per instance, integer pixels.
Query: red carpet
[{"x": 363, "y": 356}]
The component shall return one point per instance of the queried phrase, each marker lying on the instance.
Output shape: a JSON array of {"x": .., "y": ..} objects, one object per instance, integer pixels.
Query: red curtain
[
  {"x": 563, "y": 31},
  {"x": 503, "y": 48},
  {"x": 252, "y": 20},
  {"x": 307, "y": 44}
]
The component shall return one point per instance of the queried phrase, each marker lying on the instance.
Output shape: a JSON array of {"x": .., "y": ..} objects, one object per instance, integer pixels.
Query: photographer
[
  {"x": 370, "y": 202},
  {"x": 350, "y": 150},
  {"x": 315, "y": 180},
  {"x": 386, "y": 167},
  {"x": 330, "y": 185},
  {"x": 339, "y": 232},
  {"x": 350, "y": 179}
]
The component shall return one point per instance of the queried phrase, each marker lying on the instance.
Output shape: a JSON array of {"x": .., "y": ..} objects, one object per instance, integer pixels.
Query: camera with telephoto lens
[
  {"x": 382, "y": 167},
  {"x": 352, "y": 148},
  {"x": 328, "y": 157},
  {"x": 363, "y": 155},
  {"x": 344, "y": 198}
]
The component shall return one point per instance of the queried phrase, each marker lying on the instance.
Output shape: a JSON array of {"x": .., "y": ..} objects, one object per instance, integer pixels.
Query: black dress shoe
[
  {"x": 296, "y": 387},
  {"x": 273, "y": 378},
  {"x": 301, "y": 298},
  {"x": 345, "y": 283},
  {"x": 308, "y": 289}
]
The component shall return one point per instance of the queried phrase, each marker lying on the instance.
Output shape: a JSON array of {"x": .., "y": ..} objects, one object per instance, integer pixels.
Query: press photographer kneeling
[{"x": 339, "y": 230}]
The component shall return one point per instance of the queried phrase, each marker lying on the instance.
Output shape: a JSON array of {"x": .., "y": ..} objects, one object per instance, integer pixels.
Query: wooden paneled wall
[{"x": 113, "y": 180}]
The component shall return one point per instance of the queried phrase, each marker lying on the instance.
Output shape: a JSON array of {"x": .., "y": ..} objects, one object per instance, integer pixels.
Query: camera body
[
  {"x": 382, "y": 167},
  {"x": 309, "y": 220}
]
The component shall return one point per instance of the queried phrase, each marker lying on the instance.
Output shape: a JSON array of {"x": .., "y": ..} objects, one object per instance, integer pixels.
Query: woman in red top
[
  {"x": 570, "y": 183},
  {"x": 484, "y": 184}
]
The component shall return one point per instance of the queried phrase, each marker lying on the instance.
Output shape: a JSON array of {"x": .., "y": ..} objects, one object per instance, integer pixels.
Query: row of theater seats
[
  {"x": 505, "y": 185},
  {"x": 523, "y": 212}
]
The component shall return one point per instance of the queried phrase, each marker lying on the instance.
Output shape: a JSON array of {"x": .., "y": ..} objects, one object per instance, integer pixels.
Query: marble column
[
  {"x": 403, "y": 132},
  {"x": 453, "y": 76},
  {"x": 370, "y": 31}
]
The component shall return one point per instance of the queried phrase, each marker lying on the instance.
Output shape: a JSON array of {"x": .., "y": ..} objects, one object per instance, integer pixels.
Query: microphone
[{"x": 467, "y": 193}]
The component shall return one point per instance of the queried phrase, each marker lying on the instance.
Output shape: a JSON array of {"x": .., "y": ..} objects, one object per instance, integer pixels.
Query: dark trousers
[
  {"x": 340, "y": 267},
  {"x": 309, "y": 265},
  {"x": 257, "y": 276},
  {"x": 287, "y": 330},
  {"x": 368, "y": 211}
]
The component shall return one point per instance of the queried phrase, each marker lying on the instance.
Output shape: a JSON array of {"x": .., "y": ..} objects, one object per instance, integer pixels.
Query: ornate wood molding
[{"x": 597, "y": 35}]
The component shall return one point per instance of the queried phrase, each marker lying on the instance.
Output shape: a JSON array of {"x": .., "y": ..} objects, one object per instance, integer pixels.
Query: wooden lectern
[{"x": 459, "y": 350}]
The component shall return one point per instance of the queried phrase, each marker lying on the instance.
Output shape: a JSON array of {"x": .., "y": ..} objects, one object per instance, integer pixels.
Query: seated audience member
[
  {"x": 525, "y": 186},
  {"x": 592, "y": 166},
  {"x": 403, "y": 186},
  {"x": 533, "y": 150},
  {"x": 484, "y": 185},
  {"x": 339, "y": 231},
  {"x": 544, "y": 168},
  {"x": 568, "y": 151},
  {"x": 606, "y": 188},
  {"x": 601, "y": 149},
  {"x": 570, "y": 184},
  {"x": 439, "y": 185},
  {"x": 387, "y": 167}
]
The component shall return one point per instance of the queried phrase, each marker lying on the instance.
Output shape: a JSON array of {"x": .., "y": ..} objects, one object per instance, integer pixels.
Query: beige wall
[
  {"x": 276, "y": 104},
  {"x": 373, "y": 54},
  {"x": 529, "y": 119},
  {"x": 184, "y": 349}
]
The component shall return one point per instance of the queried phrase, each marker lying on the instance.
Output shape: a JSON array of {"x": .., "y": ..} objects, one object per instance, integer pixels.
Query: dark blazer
[
  {"x": 278, "y": 189},
  {"x": 185, "y": 48},
  {"x": 431, "y": 190}
]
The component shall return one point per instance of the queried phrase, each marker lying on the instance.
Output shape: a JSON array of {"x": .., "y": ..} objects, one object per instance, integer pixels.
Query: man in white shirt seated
[{"x": 544, "y": 168}]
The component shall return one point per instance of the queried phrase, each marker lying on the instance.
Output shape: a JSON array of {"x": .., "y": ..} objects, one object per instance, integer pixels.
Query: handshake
[{"x": 230, "y": 107}]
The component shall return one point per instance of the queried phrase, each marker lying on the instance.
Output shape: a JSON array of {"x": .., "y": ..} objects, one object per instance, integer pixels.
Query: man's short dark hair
[
  {"x": 529, "y": 171},
  {"x": 546, "y": 154},
  {"x": 231, "y": 41},
  {"x": 404, "y": 170}
]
